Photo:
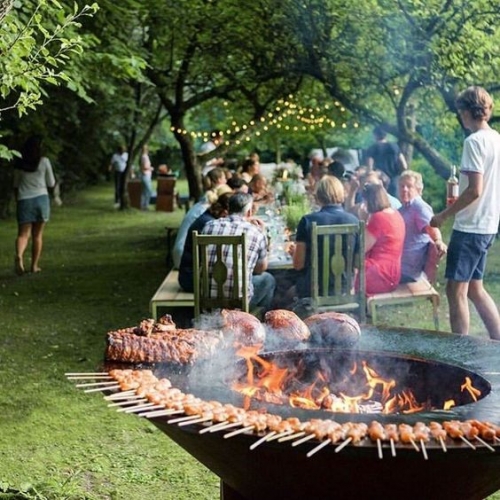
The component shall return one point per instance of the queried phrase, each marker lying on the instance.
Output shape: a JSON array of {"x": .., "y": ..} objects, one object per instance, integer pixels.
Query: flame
[
  {"x": 360, "y": 389},
  {"x": 448, "y": 404},
  {"x": 467, "y": 386}
]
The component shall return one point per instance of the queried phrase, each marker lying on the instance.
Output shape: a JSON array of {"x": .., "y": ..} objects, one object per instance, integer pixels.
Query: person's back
[
  {"x": 330, "y": 196},
  {"x": 261, "y": 285}
]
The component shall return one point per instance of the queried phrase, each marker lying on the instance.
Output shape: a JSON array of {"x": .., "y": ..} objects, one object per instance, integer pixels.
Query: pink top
[{"x": 383, "y": 260}]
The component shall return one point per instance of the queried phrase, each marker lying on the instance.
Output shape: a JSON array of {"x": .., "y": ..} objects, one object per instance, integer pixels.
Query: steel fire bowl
[{"x": 277, "y": 470}]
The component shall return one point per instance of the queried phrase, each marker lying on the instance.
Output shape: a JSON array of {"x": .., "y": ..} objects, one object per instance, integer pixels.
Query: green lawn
[{"x": 100, "y": 267}]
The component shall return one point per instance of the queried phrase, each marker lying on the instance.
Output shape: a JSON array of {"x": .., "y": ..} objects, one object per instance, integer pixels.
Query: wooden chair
[
  {"x": 337, "y": 269},
  {"x": 210, "y": 279},
  {"x": 418, "y": 291}
]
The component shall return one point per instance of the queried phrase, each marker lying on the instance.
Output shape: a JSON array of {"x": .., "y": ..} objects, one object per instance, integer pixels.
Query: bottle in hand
[{"x": 452, "y": 187}]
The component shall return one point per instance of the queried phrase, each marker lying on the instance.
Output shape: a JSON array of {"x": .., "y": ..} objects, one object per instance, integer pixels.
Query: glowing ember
[{"x": 360, "y": 388}]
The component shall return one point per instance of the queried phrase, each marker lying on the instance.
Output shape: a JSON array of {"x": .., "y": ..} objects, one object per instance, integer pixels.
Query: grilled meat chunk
[{"x": 333, "y": 329}]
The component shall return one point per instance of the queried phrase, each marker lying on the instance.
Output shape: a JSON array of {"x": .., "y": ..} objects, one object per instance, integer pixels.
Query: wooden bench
[
  {"x": 406, "y": 293},
  {"x": 420, "y": 290},
  {"x": 170, "y": 294}
]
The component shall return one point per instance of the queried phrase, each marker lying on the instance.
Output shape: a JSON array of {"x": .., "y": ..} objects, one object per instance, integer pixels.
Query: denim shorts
[
  {"x": 466, "y": 258},
  {"x": 33, "y": 210}
]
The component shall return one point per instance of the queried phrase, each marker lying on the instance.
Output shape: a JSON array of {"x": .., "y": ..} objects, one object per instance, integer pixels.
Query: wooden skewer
[
  {"x": 496, "y": 438},
  {"x": 342, "y": 445},
  {"x": 393, "y": 448},
  {"x": 415, "y": 445},
  {"x": 91, "y": 377},
  {"x": 160, "y": 413},
  {"x": 424, "y": 451},
  {"x": 320, "y": 446},
  {"x": 182, "y": 419},
  {"x": 484, "y": 443},
  {"x": 94, "y": 384},
  {"x": 196, "y": 421},
  {"x": 107, "y": 388},
  {"x": 122, "y": 395},
  {"x": 239, "y": 431},
  {"x": 379, "y": 448},
  {"x": 145, "y": 406},
  {"x": 292, "y": 436},
  {"x": 228, "y": 425},
  {"x": 303, "y": 440},
  {"x": 213, "y": 428},
  {"x": 262, "y": 440},
  {"x": 467, "y": 442},
  {"x": 77, "y": 374},
  {"x": 443, "y": 445},
  {"x": 127, "y": 402},
  {"x": 279, "y": 435}
]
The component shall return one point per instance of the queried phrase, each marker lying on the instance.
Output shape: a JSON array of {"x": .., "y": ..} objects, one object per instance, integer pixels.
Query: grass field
[{"x": 100, "y": 268}]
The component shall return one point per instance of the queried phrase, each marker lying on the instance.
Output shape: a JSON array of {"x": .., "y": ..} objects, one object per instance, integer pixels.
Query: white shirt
[
  {"x": 33, "y": 184},
  {"x": 481, "y": 154},
  {"x": 119, "y": 161}
]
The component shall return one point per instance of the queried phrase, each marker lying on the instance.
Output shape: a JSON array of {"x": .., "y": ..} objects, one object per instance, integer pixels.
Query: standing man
[
  {"x": 261, "y": 284},
  {"x": 387, "y": 157},
  {"x": 477, "y": 212},
  {"x": 119, "y": 164}
]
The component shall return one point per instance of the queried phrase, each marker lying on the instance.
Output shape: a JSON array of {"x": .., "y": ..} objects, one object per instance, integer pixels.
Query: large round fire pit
[{"x": 433, "y": 365}]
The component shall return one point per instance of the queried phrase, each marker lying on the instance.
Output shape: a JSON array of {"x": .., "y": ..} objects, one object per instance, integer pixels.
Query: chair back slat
[
  {"x": 212, "y": 289},
  {"x": 338, "y": 274}
]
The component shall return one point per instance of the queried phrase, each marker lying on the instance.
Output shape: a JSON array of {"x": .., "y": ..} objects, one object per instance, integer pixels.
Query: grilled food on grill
[
  {"x": 242, "y": 328},
  {"x": 286, "y": 326},
  {"x": 161, "y": 341},
  {"x": 333, "y": 329},
  {"x": 160, "y": 391}
]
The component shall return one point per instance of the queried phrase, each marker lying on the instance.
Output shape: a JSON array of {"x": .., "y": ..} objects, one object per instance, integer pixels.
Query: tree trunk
[{"x": 191, "y": 165}]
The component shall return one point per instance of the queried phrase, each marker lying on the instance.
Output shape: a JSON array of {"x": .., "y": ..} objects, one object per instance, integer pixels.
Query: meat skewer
[
  {"x": 406, "y": 435},
  {"x": 456, "y": 431},
  {"x": 127, "y": 402},
  {"x": 239, "y": 431},
  {"x": 422, "y": 435},
  {"x": 377, "y": 433},
  {"x": 291, "y": 437},
  {"x": 391, "y": 431},
  {"x": 438, "y": 433}
]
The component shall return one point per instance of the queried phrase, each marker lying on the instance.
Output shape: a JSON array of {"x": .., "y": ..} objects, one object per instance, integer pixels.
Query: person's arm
[
  {"x": 470, "y": 194},
  {"x": 437, "y": 238},
  {"x": 403, "y": 165},
  {"x": 299, "y": 255},
  {"x": 261, "y": 266},
  {"x": 370, "y": 240}
]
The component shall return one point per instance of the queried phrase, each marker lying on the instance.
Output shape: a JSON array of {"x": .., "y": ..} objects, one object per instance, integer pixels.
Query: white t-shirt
[
  {"x": 33, "y": 184},
  {"x": 119, "y": 161},
  {"x": 481, "y": 154}
]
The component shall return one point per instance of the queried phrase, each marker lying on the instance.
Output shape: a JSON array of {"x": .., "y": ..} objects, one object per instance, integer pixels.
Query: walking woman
[{"x": 33, "y": 177}]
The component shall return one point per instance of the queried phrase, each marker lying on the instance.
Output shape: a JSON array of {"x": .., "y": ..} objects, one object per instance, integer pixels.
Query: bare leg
[
  {"x": 486, "y": 308},
  {"x": 23, "y": 236},
  {"x": 36, "y": 250},
  {"x": 456, "y": 291}
]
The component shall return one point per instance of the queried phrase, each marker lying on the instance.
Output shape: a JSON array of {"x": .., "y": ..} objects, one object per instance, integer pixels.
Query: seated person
[
  {"x": 358, "y": 208},
  {"x": 417, "y": 215},
  {"x": 216, "y": 210},
  {"x": 249, "y": 168},
  {"x": 384, "y": 238},
  {"x": 193, "y": 213},
  {"x": 259, "y": 190},
  {"x": 261, "y": 284},
  {"x": 237, "y": 184},
  {"x": 329, "y": 196}
]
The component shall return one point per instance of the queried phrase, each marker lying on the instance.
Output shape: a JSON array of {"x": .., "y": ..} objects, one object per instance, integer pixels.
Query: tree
[{"x": 387, "y": 61}]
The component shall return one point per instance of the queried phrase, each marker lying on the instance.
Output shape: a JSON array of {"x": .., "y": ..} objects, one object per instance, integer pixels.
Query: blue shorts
[
  {"x": 33, "y": 210},
  {"x": 466, "y": 258}
]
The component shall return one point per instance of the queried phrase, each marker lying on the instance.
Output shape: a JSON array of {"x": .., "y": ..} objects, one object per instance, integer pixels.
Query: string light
[{"x": 286, "y": 111}]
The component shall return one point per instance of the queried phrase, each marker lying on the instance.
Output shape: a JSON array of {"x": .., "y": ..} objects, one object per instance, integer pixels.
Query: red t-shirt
[{"x": 383, "y": 260}]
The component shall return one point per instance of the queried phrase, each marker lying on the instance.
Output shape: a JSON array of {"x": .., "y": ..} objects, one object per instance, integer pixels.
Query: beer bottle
[{"x": 452, "y": 187}]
